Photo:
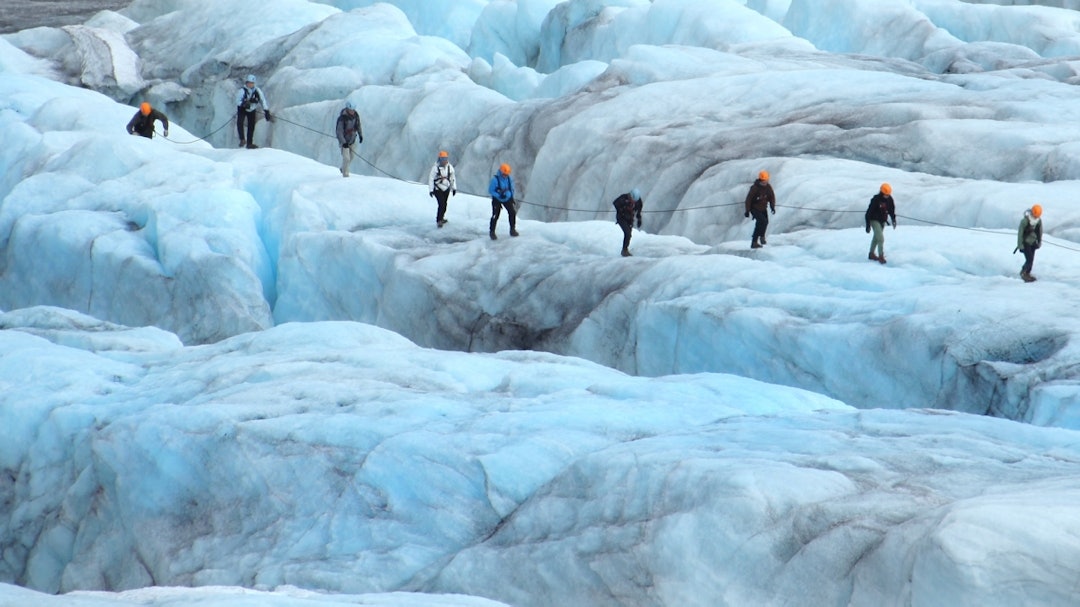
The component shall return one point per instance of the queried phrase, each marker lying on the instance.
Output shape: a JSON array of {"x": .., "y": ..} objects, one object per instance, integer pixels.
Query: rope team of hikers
[{"x": 760, "y": 200}]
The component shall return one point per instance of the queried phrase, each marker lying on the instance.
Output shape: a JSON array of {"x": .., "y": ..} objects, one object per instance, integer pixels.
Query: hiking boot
[
  {"x": 872, "y": 257},
  {"x": 252, "y": 146},
  {"x": 441, "y": 222},
  {"x": 492, "y": 235},
  {"x": 1027, "y": 276},
  {"x": 243, "y": 142},
  {"x": 513, "y": 232},
  {"x": 762, "y": 240},
  {"x": 881, "y": 259},
  {"x": 754, "y": 244},
  {"x": 626, "y": 252}
]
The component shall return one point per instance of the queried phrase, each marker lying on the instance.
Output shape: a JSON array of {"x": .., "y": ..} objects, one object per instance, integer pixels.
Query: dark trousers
[
  {"x": 241, "y": 116},
  {"x": 496, "y": 210},
  {"x": 1029, "y": 258},
  {"x": 761, "y": 223},
  {"x": 441, "y": 197},
  {"x": 627, "y": 230}
]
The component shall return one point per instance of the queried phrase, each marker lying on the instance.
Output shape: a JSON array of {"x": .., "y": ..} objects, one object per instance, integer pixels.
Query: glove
[
  {"x": 746, "y": 214},
  {"x": 1038, "y": 244},
  {"x": 344, "y": 146},
  {"x": 639, "y": 223},
  {"x": 867, "y": 229},
  {"x": 431, "y": 193},
  {"x": 894, "y": 224},
  {"x": 453, "y": 192},
  {"x": 359, "y": 140},
  {"x": 166, "y": 133},
  {"x": 774, "y": 211},
  {"x": 266, "y": 114}
]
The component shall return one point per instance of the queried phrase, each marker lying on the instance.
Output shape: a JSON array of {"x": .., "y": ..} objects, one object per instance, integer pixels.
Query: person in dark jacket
[
  {"x": 1028, "y": 239},
  {"x": 349, "y": 135},
  {"x": 882, "y": 209},
  {"x": 248, "y": 101},
  {"x": 759, "y": 200},
  {"x": 501, "y": 189},
  {"x": 627, "y": 206},
  {"x": 142, "y": 123}
]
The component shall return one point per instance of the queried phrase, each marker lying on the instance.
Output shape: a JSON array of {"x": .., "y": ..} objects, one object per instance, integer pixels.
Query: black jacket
[
  {"x": 881, "y": 209},
  {"x": 144, "y": 125},
  {"x": 626, "y": 209},
  {"x": 760, "y": 197}
]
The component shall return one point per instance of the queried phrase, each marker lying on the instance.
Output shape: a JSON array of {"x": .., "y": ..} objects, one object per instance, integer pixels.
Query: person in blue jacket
[{"x": 501, "y": 189}]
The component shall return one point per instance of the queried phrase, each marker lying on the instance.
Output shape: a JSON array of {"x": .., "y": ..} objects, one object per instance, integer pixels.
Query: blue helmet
[
  {"x": 250, "y": 78},
  {"x": 349, "y": 105},
  {"x": 635, "y": 194}
]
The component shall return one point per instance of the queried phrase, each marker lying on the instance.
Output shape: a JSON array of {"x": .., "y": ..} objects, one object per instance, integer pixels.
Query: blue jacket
[{"x": 501, "y": 188}]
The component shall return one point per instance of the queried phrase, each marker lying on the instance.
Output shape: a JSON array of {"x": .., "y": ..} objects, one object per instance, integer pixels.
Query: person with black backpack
[
  {"x": 759, "y": 200},
  {"x": 442, "y": 184},
  {"x": 882, "y": 209},
  {"x": 248, "y": 100},
  {"x": 142, "y": 123},
  {"x": 627, "y": 206},
  {"x": 1028, "y": 239},
  {"x": 349, "y": 135}
]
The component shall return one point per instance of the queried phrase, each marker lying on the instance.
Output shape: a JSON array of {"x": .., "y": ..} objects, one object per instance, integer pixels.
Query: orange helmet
[
  {"x": 444, "y": 154},
  {"x": 504, "y": 169},
  {"x": 145, "y": 108},
  {"x": 886, "y": 189},
  {"x": 764, "y": 175},
  {"x": 1036, "y": 211}
]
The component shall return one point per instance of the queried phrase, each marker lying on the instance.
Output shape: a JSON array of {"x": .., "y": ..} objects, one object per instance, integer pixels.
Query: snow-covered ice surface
[{"x": 234, "y": 371}]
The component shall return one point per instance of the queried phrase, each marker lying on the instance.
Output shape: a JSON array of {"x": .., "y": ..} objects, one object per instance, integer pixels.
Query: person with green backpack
[{"x": 1029, "y": 239}]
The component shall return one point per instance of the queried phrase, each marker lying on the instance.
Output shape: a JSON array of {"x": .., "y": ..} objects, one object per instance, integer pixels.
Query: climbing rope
[{"x": 203, "y": 138}]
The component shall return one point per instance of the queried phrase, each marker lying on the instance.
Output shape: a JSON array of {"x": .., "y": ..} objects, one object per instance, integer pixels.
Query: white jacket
[
  {"x": 251, "y": 99},
  {"x": 442, "y": 178}
]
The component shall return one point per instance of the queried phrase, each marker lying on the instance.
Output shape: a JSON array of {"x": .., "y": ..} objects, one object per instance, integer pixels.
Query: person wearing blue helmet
[
  {"x": 349, "y": 135},
  {"x": 627, "y": 208},
  {"x": 248, "y": 101}
]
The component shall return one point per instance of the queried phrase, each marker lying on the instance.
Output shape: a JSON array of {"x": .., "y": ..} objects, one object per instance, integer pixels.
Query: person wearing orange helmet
[
  {"x": 442, "y": 184},
  {"x": 142, "y": 123},
  {"x": 1028, "y": 239},
  {"x": 882, "y": 209},
  {"x": 501, "y": 189},
  {"x": 759, "y": 200}
]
